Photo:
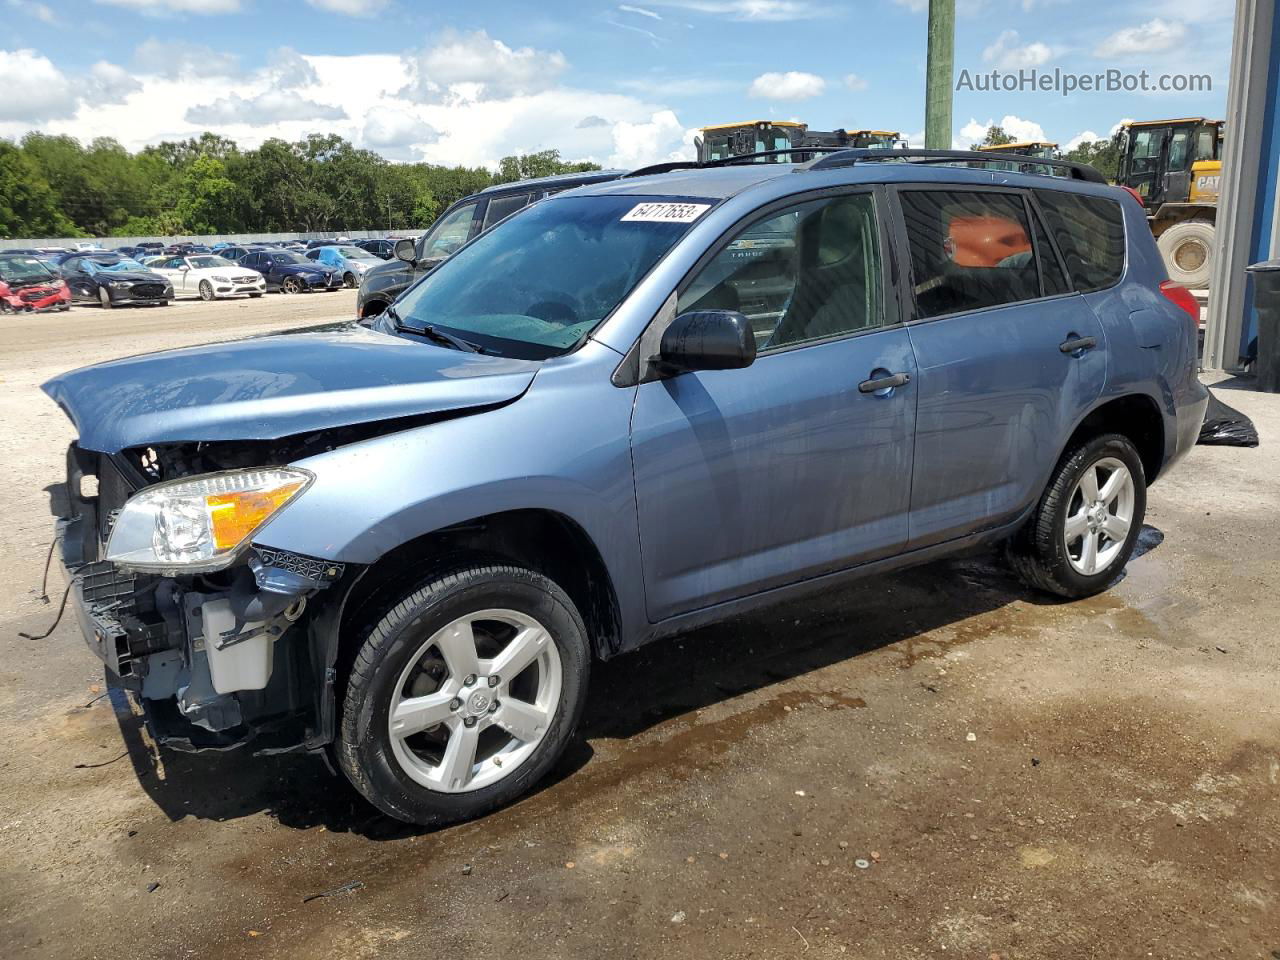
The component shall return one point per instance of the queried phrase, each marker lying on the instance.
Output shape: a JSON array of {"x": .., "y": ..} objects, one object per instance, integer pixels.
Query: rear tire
[
  {"x": 436, "y": 650},
  {"x": 1087, "y": 522},
  {"x": 1187, "y": 250}
]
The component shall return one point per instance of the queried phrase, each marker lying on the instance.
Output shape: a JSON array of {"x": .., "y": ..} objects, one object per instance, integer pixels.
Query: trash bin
[{"x": 1266, "y": 297}]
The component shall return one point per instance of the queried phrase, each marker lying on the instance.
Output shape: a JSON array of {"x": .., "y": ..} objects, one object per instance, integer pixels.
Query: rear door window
[
  {"x": 969, "y": 250},
  {"x": 453, "y": 230},
  {"x": 1090, "y": 234}
]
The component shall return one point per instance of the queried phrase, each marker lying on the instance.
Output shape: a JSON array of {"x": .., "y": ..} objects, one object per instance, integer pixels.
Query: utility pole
[{"x": 940, "y": 74}]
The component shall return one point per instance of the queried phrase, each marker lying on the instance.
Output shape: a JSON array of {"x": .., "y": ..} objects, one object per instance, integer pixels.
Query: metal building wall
[{"x": 1248, "y": 218}]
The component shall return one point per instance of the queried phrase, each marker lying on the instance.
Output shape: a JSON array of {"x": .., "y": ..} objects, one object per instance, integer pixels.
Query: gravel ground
[{"x": 935, "y": 763}]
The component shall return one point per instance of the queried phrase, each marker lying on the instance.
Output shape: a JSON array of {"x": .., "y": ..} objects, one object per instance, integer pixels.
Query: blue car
[
  {"x": 636, "y": 407},
  {"x": 349, "y": 262}
]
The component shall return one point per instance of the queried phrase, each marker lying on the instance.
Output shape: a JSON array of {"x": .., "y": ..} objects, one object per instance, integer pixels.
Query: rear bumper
[{"x": 1189, "y": 419}]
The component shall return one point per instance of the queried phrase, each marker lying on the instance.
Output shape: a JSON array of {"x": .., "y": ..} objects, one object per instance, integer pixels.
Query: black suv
[{"x": 462, "y": 221}]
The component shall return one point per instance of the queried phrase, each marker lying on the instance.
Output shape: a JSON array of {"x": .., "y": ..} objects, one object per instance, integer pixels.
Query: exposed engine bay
[{"x": 219, "y": 658}]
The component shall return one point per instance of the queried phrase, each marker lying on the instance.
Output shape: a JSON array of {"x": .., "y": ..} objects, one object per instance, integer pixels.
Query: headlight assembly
[
  {"x": 221, "y": 279},
  {"x": 201, "y": 523}
]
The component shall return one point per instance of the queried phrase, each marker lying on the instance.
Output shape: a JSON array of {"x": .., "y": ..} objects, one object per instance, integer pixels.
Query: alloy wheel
[
  {"x": 1099, "y": 516},
  {"x": 475, "y": 701}
]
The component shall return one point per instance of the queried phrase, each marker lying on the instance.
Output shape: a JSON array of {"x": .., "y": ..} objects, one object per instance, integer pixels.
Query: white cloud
[
  {"x": 639, "y": 11},
  {"x": 175, "y": 58},
  {"x": 634, "y": 143},
  {"x": 1119, "y": 124},
  {"x": 35, "y": 10},
  {"x": 637, "y": 129},
  {"x": 288, "y": 68},
  {"x": 1154, "y": 36},
  {"x": 915, "y": 6},
  {"x": 166, "y": 7},
  {"x": 586, "y": 123},
  {"x": 35, "y": 90},
  {"x": 855, "y": 82},
  {"x": 396, "y": 127},
  {"x": 974, "y": 132},
  {"x": 760, "y": 10},
  {"x": 350, "y": 8},
  {"x": 792, "y": 85},
  {"x": 271, "y": 106},
  {"x": 474, "y": 66},
  {"x": 1007, "y": 54},
  {"x": 1084, "y": 136},
  {"x": 111, "y": 83}
]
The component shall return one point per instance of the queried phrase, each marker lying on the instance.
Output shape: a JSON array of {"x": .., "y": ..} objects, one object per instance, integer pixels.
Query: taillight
[
  {"x": 1135, "y": 194},
  {"x": 1180, "y": 296}
]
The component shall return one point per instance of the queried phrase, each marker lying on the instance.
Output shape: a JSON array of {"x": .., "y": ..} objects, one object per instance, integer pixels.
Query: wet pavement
[{"x": 932, "y": 763}]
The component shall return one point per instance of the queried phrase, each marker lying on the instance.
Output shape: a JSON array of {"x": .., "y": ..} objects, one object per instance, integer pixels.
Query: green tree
[
  {"x": 996, "y": 137},
  {"x": 546, "y": 163},
  {"x": 28, "y": 205},
  {"x": 1102, "y": 155},
  {"x": 203, "y": 195}
]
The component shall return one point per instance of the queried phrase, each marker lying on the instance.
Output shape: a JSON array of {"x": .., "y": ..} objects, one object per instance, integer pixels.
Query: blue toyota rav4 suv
[{"x": 632, "y": 408}]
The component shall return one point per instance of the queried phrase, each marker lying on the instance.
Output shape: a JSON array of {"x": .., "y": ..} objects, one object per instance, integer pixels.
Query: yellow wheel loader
[{"x": 1175, "y": 168}]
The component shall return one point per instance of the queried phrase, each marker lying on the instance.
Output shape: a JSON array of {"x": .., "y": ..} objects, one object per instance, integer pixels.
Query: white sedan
[{"x": 208, "y": 277}]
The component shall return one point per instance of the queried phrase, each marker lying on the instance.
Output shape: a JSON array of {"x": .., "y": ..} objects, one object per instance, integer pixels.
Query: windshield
[
  {"x": 536, "y": 284},
  {"x": 290, "y": 258},
  {"x": 355, "y": 253},
  {"x": 203, "y": 263},
  {"x": 23, "y": 269}
]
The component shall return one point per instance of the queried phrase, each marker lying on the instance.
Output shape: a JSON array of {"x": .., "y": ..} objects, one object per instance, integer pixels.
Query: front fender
[{"x": 564, "y": 446}]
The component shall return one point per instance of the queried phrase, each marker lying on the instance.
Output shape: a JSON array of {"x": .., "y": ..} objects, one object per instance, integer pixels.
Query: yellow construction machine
[
  {"x": 724, "y": 140},
  {"x": 1175, "y": 169}
]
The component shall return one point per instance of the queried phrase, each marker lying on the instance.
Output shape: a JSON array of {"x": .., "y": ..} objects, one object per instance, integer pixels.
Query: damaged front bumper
[{"x": 217, "y": 660}]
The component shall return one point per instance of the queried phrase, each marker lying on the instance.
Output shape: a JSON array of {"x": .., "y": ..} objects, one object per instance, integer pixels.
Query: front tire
[
  {"x": 206, "y": 291},
  {"x": 348, "y": 280},
  {"x": 104, "y": 298},
  {"x": 463, "y": 694},
  {"x": 291, "y": 285},
  {"x": 1087, "y": 522}
]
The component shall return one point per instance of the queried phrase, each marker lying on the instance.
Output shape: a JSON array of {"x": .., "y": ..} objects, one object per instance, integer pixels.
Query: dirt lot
[{"x": 935, "y": 763}]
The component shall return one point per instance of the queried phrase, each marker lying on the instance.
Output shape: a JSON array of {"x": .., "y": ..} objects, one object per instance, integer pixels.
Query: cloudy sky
[{"x": 619, "y": 83}]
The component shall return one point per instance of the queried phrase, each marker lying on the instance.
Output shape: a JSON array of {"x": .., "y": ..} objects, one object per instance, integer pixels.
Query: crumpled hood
[{"x": 268, "y": 387}]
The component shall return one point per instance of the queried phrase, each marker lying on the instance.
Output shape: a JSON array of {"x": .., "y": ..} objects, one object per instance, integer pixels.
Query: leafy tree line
[{"x": 55, "y": 186}]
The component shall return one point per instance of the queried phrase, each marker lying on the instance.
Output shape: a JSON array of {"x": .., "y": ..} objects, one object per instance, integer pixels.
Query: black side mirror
[
  {"x": 708, "y": 340},
  {"x": 405, "y": 250}
]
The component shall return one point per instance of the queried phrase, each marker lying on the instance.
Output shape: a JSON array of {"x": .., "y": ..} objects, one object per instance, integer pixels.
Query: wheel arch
[
  {"x": 543, "y": 540},
  {"x": 1134, "y": 415}
]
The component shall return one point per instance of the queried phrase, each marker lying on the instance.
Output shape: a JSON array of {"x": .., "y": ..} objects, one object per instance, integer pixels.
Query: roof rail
[
  {"x": 851, "y": 156},
  {"x": 725, "y": 161}
]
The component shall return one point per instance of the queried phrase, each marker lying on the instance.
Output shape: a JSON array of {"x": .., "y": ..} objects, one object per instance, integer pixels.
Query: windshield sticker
[{"x": 665, "y": 212}]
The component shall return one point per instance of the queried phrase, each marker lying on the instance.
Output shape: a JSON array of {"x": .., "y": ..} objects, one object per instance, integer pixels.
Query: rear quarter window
[{"x": 1090, "y": 234}]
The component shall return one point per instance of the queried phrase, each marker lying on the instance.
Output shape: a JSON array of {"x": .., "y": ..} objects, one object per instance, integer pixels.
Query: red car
[{"x": 27, "y": 284}]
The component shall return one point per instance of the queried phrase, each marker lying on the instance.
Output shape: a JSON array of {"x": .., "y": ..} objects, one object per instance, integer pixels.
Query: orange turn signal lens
[{"x": 234, "y": 516}]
